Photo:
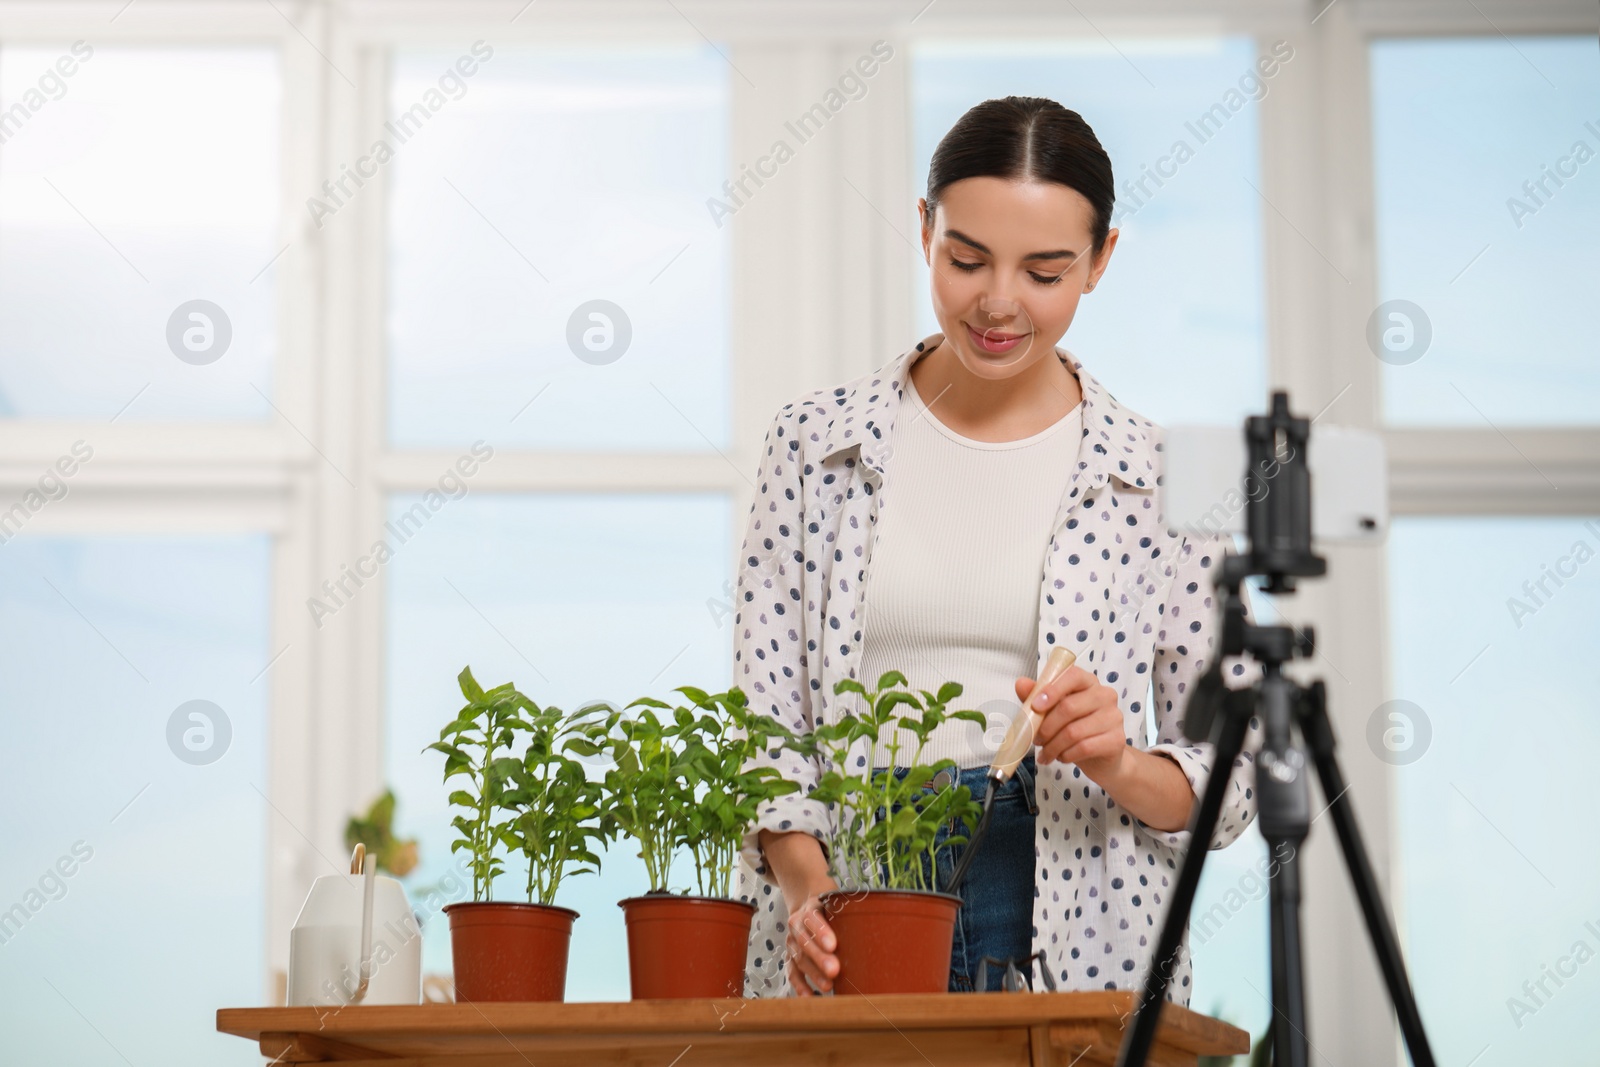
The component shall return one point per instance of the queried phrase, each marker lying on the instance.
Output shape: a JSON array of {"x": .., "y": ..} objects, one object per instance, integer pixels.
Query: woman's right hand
[
  {"x": 811, "y": 945},
  {"x": 801, "y": 871}
]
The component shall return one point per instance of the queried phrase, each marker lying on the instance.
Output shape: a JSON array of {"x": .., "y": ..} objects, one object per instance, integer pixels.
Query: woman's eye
[{"x": 970, "y": 267}]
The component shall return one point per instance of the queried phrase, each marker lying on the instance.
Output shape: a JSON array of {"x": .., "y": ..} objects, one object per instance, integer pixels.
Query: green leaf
[
  {"x": 890, "y": 679},
  {"x": 700, "y": 697}
]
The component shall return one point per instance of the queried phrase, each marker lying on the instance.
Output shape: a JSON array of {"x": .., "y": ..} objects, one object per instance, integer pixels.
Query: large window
[
  {"x": 274, "y": 336},
  {"x": 1489, "y": 732},
  {"x": 134, "y": 811},
  {"x": 140, "y": 315},
  {"x": 1484, "y": 330},
  {"x": 1487, "y": 206},
  {"x": 139, "y": 206},
  {"x": 555, "y": 279}
]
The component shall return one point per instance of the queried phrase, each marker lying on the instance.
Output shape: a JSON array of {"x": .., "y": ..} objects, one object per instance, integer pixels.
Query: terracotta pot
[
  {"x": 509, "y": 951},
  {"x": 892, "y": 940},
  {"x": 680, "y": 946}
]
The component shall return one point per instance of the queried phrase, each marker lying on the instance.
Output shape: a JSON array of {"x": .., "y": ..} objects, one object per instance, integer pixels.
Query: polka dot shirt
[{"x": 1132, "y": 599}]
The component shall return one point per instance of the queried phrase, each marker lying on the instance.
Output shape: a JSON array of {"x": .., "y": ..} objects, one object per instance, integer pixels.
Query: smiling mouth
[{"x": 993, "y": 340}]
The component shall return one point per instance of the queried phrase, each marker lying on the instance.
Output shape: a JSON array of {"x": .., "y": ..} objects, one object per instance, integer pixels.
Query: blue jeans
[{"x": 996, "y": 917}]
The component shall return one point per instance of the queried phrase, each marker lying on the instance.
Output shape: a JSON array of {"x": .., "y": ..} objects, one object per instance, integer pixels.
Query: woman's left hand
[{"x": 1079, "y": 722}]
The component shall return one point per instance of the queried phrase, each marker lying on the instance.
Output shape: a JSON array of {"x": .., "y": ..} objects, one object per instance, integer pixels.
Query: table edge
[{"x": 1181, "y": 1027}]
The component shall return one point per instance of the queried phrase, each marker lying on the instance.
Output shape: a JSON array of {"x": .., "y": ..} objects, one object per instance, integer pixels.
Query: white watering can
[{"x": 355, "y": 941}]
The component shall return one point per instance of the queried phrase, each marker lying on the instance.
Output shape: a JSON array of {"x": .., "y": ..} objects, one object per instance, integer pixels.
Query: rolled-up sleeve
[
  {"x": 770, "y": 645},
  {"x": 1186, "y": 640}
]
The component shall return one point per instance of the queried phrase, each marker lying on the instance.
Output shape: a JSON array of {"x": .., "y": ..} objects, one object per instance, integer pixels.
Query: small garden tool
[{"x": 1014, "y": 748}]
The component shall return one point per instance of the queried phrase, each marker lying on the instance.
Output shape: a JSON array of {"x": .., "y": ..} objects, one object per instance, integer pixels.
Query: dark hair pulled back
[{"x": 1026, "y": 138}]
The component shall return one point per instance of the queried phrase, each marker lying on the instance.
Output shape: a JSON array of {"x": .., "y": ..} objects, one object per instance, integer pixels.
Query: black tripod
[{"x": 1278, "y": 523}]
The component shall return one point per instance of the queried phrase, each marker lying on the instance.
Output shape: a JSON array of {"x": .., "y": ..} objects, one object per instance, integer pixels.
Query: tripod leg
[
  {"x": 1318, "y": 732},
  {"x": 1283, "y": 798},
  {"x": 1140, "y": 1036},
  {"x": 1289, "y": 1039}
]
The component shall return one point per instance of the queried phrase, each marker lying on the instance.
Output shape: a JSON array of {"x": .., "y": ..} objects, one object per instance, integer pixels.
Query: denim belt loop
[{"x": 1027, "y": 788}]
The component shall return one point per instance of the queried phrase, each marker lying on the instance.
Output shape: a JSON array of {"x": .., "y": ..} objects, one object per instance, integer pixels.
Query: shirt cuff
[
  {"x": 1195, "y": 762},
  {"x": 790, "y": 812}
]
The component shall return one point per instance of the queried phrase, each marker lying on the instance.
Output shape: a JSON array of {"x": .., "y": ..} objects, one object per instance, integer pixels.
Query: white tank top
[{"x": 953, "y": 584}]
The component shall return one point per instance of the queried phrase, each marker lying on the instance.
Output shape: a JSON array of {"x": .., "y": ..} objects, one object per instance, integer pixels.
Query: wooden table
[{"x": 907, "y": 1030}]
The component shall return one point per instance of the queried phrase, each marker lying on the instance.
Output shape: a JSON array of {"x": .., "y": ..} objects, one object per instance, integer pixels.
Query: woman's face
[{"x": 1009, "y": 262}]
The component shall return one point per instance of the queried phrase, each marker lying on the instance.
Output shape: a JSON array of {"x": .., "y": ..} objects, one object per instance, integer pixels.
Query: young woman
[{"x": 955, "y": 515}]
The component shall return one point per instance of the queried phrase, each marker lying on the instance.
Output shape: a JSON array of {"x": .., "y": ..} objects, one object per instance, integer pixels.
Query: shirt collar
[{"x": 1119, "y": 443}]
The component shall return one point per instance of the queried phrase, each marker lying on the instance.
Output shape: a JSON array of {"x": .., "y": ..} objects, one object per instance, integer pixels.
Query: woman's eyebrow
[{"x": 964, "y": 239}]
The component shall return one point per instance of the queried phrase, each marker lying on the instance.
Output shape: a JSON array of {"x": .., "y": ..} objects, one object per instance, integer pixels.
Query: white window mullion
[
  {"x": 368, "y": 419},
  {"x": 1320, "y": 281},
  {"x": 294, "y": 817}
]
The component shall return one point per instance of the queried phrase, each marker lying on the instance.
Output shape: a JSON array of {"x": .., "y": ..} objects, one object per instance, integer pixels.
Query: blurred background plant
[{"x": 375, "y": 830}]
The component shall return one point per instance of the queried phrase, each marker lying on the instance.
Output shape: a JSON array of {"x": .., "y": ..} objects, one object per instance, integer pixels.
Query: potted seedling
[
  {"x": 539, "y": 803},
  {"x": 894, "y": 929},
  {"x": 681, "y": 784}
]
